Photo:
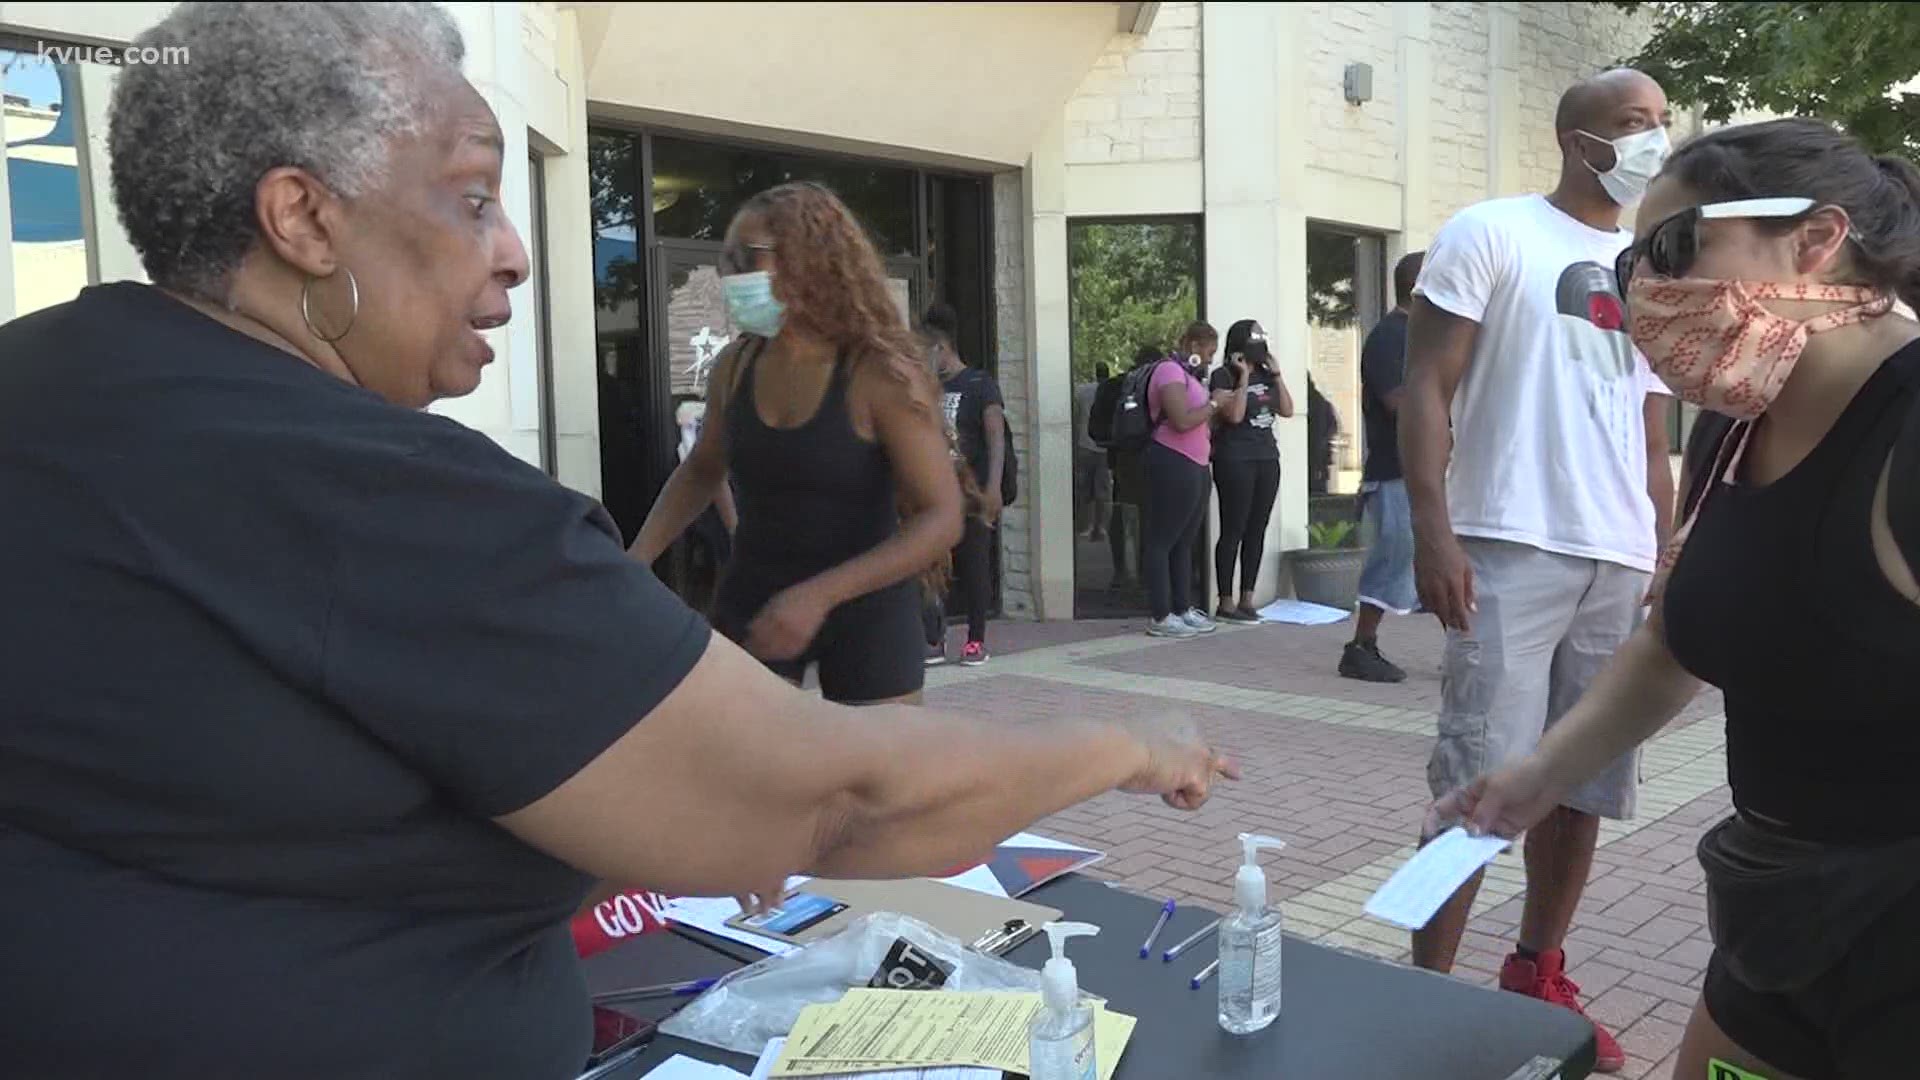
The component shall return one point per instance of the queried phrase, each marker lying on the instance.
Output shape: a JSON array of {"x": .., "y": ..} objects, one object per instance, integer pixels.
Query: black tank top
[
  {"x": 810, "y": 497},
  {"x": 1779, "y": 600}
]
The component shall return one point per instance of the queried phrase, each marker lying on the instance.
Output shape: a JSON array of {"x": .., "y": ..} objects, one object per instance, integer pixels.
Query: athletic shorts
[
  {"x": 1546, "y": 626},
  {"x": 1857, "y": 1020},
  {"x": 1386, "y": 520},
  {"x": 869, "y": 649}
]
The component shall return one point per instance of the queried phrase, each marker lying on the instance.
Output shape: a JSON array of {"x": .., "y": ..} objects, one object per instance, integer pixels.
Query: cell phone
[
  {"x": 796, "y": 913},
  {"x": 615, "y": 1033}
]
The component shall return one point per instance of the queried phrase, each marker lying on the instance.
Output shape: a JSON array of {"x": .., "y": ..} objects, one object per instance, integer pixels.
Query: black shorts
[
  {"x": 1857, "y": 1020},
  {"x": 870, "y": 648}
]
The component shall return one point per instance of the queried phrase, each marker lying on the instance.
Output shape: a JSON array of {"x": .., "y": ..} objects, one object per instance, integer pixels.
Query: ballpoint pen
[
  {"x": 1205, "y": 974},
  {"x": 1198, "y": 936},
  {"x": 649, "y": 993},
  {"x": 1166, "y": 912}
]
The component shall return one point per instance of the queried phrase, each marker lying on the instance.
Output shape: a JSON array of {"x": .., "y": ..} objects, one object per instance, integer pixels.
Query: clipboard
[{"x": 827, "y": 907}]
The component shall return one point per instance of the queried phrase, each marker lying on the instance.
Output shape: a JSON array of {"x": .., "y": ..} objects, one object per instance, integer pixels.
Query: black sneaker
[
  {"x": 1362, "y": 660},
  {"x": 1241, "y": 615},
  {"x": 936, "y": 654}
]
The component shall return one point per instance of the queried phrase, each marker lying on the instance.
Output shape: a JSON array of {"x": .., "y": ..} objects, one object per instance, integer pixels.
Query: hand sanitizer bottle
[
  {"x": 1250, "y": 948},
  {"x": 1060, "y": 1042}
]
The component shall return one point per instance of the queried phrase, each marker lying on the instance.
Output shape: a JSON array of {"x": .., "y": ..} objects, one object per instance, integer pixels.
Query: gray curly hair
[{"x": 324, "y": 87}]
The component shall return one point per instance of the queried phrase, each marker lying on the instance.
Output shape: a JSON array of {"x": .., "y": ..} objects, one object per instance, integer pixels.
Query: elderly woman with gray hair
[{"x": 323, "y": 714}]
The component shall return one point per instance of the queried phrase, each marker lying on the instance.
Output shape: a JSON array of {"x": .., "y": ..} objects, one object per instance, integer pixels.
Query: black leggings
[
  {"x": 1176, "y": 505},
  {"x": 973, "y": 575},
  {"x": 1247, "y": 490}
]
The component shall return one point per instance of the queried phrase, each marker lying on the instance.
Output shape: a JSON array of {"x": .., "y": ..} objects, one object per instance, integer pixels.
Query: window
[
  {"x": 542, "y": 337},
  {"x": 1346, "y": 285},
  {"x": 697, "y": 188},
  {"x": 1131, "y": 284},
  {"x": 44, "y": 193}
]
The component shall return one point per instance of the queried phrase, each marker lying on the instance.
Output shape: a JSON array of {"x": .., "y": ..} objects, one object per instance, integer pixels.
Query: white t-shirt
[{"x": 1549, "y": 423}]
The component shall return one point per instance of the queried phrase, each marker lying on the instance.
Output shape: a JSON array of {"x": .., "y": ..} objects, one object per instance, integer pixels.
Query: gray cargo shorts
[{"x": 1547, "y": 624}]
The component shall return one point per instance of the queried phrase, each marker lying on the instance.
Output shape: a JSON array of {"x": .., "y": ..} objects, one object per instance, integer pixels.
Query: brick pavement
[{"x": 1338, "y": 770}]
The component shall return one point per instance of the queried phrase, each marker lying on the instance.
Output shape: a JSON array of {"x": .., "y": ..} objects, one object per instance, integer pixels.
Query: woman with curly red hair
[{"x": 829, "y": 426}]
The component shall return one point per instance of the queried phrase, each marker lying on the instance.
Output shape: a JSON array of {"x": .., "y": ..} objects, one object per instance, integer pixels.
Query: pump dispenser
[
  {"x": 1250, "y": 947},
  {"x": 1060, "y": 1042}
]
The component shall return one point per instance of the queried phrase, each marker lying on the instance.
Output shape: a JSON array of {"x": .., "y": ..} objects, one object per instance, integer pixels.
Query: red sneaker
[
  {"x": 1546, "y": 979},
  {"x": 974, "y": 654}
]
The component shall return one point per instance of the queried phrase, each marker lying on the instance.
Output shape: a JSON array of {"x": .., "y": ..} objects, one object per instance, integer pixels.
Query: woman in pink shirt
[{"x": 1177, "y": 482}]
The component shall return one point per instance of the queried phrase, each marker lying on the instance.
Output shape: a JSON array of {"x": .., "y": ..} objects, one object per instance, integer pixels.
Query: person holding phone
[
  {"x": 1182, "y": 411},
  {"x": 1246, "y": 463}
]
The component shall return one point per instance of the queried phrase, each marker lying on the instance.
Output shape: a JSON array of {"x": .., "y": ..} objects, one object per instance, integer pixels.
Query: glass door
[{"x": 692, "y": 328}]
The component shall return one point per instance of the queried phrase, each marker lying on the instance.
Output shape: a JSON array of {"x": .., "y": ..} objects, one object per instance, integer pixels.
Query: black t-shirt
[
  {"x": 968, "y": 393},
  {"x": 276, "y": 652},
  {"x": 1383, "y": 369},
  {"x": 1252, "y": 438}
]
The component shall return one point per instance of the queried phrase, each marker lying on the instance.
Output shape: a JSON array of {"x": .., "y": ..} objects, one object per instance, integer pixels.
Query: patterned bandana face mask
[{"x": 1714, "y": 344}]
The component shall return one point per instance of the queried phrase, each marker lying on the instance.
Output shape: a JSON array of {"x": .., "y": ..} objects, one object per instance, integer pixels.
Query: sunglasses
[
  {"x": 1671, "y": 246},
  {"x": 742, "y": 257}
]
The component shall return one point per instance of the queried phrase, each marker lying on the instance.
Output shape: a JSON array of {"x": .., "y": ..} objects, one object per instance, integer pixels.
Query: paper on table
[
  {"x": 1301, "y": 613},
  {"x": 681, "y": 1067},
  {"x": 875, "y": 1030},
  {"x": 1416, "y": 891},
  {"x": 980, "y": 879},
  {"x": 710, "y": 913},
  {"x": 1027, "y": 839},
  {"x": 763, "y": 1070}
]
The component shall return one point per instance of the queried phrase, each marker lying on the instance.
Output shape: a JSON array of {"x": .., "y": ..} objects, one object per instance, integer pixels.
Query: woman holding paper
[
  {"x": 323, "y": 713},
  {"x": 1763, "y": 286}
]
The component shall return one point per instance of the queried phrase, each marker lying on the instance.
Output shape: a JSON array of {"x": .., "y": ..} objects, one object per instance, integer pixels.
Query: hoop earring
[{"x": 306, "y": 307}]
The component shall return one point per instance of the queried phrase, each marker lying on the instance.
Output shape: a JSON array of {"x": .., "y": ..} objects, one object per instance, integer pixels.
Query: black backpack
[{"x": 1132, "y": 423}]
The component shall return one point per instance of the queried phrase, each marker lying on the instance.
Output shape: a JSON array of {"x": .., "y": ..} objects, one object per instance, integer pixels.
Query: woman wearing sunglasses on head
[
  {"x": 828, "y": 424},
  {"x": 1762, "y": 285}
]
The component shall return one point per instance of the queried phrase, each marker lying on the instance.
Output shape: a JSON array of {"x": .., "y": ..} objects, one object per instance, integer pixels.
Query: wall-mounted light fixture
[{"x": 1359, "y": 83}]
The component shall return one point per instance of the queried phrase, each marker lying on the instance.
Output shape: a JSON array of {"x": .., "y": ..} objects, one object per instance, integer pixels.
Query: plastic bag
[{"x": 763, "y": 1001}]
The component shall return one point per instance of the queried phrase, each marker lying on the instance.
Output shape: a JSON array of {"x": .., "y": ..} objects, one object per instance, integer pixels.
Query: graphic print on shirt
[
  {"x": 1259, "y": 409},
  {"x": 1587, "y": 296},
  {"x": 950, "y": 409},
  {"x": 1586, "y": 292}
]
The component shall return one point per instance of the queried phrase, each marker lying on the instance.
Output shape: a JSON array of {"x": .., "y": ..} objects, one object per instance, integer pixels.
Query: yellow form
[{"x": 880, "y": 1030}]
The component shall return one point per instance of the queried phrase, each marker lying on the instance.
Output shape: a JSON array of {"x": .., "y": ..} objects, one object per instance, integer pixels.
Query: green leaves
[
  {"x": 1129, "y": 284},
  {"x": 1836, "y": 61}
]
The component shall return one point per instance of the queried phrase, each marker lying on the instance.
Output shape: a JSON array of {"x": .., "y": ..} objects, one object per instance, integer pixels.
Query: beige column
[
  {"x": 1049, "y": 507},
  {"x": 576, "y": 385},
  {"x": 1414, "y": 28},
  {"x": 1253, "y": 56},
  {"x": 1503, "y": 101}
]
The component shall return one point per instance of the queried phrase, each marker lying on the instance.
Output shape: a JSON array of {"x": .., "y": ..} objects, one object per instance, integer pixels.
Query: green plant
[
  {"x": 1326, "y": 535},
  {"x": 1847, "y": 63}
]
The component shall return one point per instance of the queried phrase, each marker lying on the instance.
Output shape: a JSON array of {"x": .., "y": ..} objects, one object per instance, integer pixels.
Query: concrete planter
[{"x": 1327, "y": 576}]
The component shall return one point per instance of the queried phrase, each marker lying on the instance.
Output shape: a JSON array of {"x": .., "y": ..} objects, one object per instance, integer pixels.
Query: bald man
[{"x": 1533, "y": 438}]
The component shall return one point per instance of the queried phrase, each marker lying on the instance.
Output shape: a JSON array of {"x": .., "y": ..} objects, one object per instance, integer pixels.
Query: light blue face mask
[{"x": 751, "y": 303}]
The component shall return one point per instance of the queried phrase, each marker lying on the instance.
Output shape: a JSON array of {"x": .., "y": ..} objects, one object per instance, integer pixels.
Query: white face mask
[{"x": 1636, "y": 161}]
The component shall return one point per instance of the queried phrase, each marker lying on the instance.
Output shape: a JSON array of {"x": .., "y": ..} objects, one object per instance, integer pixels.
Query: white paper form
[
  {"x": 770, "y": 1056},
  {"x": 1416, "y": 891},
  {"x": 681, "y": 1067},
  {"x": 1301, "y": 613}
]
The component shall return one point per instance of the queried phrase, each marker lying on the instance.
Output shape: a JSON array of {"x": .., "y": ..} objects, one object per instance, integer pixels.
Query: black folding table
[{"x": 1343, "y": 1016}]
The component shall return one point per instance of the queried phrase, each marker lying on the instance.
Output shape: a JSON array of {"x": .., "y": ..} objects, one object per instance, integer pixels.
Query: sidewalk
[{"x": 1338, "y": 770}]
